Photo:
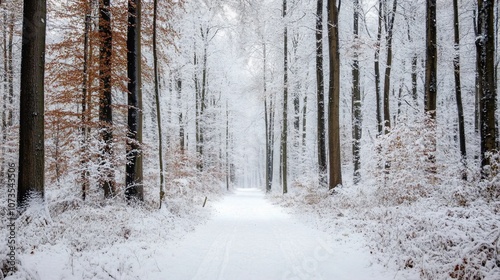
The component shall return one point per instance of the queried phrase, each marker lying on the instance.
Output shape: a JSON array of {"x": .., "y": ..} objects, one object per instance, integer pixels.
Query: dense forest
[{"x": 380, "y": 111}]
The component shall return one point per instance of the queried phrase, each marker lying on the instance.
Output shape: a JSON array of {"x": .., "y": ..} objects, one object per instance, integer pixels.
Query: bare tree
[
  {"x": 335, "y": 165},
  {"x": 31, "y": 128},
  {"x": 134, "y": 169}
]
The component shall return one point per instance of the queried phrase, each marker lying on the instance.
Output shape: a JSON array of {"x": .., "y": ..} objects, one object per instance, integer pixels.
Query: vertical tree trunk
[
  {"x": 485, "y": 44},
  {"x": 269, "y": 128},
  {"x": 284, "y": 132},
  {"x": 31, "y": 128},
  {"x": 387, "y": 76},
  {"x": 157, "y": 97},
  {"x": 134, "y": 172},
  {"x": 203, "y": 101},
  {"x": 356, "y": 102},
  {"x": 181, "y": 117},
  {"x": 105, "y": 109},
  {"x": 458, "y": 88},
  {"x": 85, "y": 117},
  {"x": 377, "y": 70},
  {"x": 320, "y": 91},
  {"x": 335, "y": 165},
  {"x": 430, "y": 80},
  {"x": 431, "y": 61},
  {"x": 227, "y": 147}
]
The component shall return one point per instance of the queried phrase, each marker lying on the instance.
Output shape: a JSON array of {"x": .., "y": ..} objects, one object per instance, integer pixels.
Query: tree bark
[
  {"x": 485, "y": 45},
  {"x": 107, "y": 181},
  {"x": 377, "y": 70},
  {"x": 430, "y": 81},
  {"x": 335, "y": 165},
  {"x": 458, "y": 88},
  {"x": 320, "y": 92},
  {"x": 31, "y": 128},
  {"x": 356, "y": 102},
  {"x": 157, "y": 97},
  {"x": 134, "y": 168},
  {"x": 388, "y": 68},
  {"x": 284, "y": 132}
]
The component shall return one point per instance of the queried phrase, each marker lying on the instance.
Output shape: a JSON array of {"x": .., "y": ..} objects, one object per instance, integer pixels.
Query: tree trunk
[
  {"x": 356, "y": 102},
  {"x": 157, "y": 97},
  {"x": 377, "y": 70},
  {"x": 31, "y": 125},
  {"x": 458, "y": 89},
  {"x": 485, "y": 44},
  {"x": 284, "y": 132},
  {"x": 269, "y": 127},
  {"x": 134, "y": 169},
  {"x": 387, "y": 76},
  {"x": 431, "y": 61},
  {"x": 430, "y": 81},
  {"x": 105, "y": 109},
  {"x": 335, "y": 165},
  {"x": 85, "y": 117},
  {"x": 320, "y": 91}
]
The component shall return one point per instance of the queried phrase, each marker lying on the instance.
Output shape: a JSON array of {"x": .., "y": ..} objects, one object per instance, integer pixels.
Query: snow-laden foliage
[{"x": 431, "y": 224}]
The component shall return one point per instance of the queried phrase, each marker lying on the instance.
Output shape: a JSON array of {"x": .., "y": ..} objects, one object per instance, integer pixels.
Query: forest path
[{"x": 249, "y": 238}]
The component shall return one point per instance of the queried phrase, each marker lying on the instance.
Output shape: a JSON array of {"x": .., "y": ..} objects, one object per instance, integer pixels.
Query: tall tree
[
  {"x": 31, "y": 128},
  {"x": 269, "y": 123},
  {"x": 356, "y": 100},
  {"x": 86, "y": 98},
  {"x": 430, "y": 78},
  {"x": 284, "y": 130},
  {"x": 431, "y": 61},
  {"x": 335, "y": 165},
  {"x": 320, "y": 92},
  {"x": 134, "y": 169},
  {"x": 157, "y": 98},
  {"x": 485, "y": 46},
  {"x": 105, "y": 109},
  {"x": 458, "y": 87},
  {"x": 389, "y": 20},
  {"x": 377, "y": 69}
]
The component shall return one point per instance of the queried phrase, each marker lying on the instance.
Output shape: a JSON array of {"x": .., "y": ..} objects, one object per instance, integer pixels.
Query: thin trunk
[
  {"x": 388, "y": 68},
  {"x": 157, "y": 97},
  {"x": 31, "y": 125},
  {"x": 284, "y": 132},
  {"x": 430, "y": 82},
  {"x": 320, "y": 91},
  {"x": 269, "y": 141},
  {"x": 134, "y": 168},
  {"x": 356, "y": 102},
  {"x": 335, "y": 165},
  {"x": 431, "y": 61},
  {"x": 107, "y": 181},
  {"x": 85, "y": 107},
  {"x": 458, "y": 88},
  {"x": 197, "y": 110},
  {"x": 377, "y": 70},
  {"x": 181, "y": 118},
  {"x": 304, "y": 123},
  {"x": 203, "y": 102},
  {"x": 227, "y": 147}
]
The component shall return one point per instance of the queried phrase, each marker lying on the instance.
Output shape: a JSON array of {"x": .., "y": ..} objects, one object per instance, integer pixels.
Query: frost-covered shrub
[{"x": 404, "y": 169}]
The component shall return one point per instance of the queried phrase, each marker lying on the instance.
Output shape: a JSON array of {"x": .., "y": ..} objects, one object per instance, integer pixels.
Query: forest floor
[{"x": 245, "y": 237}]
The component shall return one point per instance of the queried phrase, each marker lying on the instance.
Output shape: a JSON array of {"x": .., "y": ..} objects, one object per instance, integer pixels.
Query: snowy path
[{"x": 249, "y": 238}]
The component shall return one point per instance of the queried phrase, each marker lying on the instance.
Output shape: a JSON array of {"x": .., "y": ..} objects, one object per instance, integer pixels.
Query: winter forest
[{"x": 249, "y": 139}]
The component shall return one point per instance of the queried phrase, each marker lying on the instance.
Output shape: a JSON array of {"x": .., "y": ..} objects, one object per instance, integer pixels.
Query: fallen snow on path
[{"x": 249, "y": 238}]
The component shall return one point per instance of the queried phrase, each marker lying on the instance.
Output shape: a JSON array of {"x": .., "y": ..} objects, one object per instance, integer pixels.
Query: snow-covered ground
[{"x": 246, "y": 237}]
